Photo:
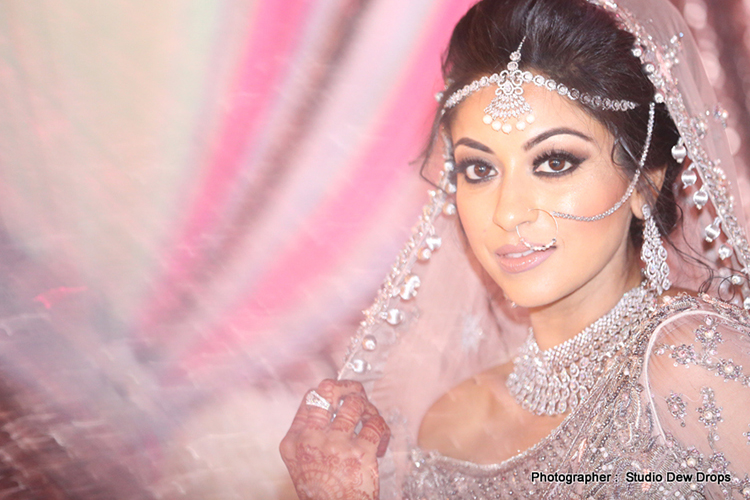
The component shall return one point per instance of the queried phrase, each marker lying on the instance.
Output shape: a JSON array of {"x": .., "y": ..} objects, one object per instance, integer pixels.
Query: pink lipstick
[{"x": 514, "y": 259}]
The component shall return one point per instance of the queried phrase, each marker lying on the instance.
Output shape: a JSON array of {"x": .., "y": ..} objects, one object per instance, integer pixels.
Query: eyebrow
[
  {"x": 465, "y": 141},
  {"x": 552, "y": 132}
]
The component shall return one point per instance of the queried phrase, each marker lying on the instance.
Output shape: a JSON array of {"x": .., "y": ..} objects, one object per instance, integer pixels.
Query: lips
[{"x": 514, "y": 259}]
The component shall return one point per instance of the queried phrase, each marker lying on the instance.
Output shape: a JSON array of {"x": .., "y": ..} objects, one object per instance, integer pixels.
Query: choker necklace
[{"x": 551, "y": 382}]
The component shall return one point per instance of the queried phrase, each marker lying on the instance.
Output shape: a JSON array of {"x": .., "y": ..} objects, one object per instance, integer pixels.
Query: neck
[{"x": 555, "y": 323}]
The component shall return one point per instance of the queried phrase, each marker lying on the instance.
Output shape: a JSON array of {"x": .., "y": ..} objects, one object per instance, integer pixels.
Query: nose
[{"x": 513, "y": 204}]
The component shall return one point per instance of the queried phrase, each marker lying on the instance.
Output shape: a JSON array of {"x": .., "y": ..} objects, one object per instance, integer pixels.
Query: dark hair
[{"x": 580, "y": 45}]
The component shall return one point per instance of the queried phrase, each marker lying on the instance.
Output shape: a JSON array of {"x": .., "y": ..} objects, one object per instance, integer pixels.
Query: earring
[{"x": 654, "y": 255}]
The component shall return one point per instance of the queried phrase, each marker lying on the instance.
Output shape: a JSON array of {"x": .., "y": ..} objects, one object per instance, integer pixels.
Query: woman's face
[{"x": 560, "y": 162}]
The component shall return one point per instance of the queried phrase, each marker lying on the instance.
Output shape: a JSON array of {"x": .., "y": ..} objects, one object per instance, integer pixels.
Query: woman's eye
[
  {"x": 557, "y": 164},
  {"x": 478, "y": 172}
]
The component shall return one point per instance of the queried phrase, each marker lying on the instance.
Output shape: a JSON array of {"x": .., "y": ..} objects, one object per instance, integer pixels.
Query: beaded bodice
[{"x": 665, "y": 420}]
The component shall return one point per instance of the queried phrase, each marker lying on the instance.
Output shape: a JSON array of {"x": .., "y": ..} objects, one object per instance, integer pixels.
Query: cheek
[
  {"x": 591, "y": 244},
  {"x": 475, "y": 216},
  {"x": 599, "y": 191}
]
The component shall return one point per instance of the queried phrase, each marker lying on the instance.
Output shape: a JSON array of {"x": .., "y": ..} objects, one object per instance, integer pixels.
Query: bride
[{"x": 529, "y": 341}]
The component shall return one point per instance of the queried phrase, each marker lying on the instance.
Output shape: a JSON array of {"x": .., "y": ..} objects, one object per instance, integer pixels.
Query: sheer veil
[{"x": 438, "y": 319}]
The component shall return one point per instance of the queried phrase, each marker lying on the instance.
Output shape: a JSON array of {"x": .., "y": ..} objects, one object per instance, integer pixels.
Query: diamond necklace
[{"x": 551, "y": 382}]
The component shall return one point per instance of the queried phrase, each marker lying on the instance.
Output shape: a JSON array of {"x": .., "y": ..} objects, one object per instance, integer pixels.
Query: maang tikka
[{"x": 509, "y": 102}]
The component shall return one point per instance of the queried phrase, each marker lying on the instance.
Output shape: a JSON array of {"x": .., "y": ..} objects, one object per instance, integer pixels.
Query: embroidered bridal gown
[{"x": 674, "y": 400}]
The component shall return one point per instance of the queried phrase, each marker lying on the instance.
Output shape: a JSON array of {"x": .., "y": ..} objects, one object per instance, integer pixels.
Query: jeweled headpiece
[{"x": 509, "y": 102}]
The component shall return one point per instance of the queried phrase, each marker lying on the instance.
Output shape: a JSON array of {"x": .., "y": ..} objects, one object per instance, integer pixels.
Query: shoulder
[
  {"x": 457, "y": 416},
  {"x": 700, "y": 331},
  {"x": 697, "y": 332},
  {"x": 696, "y": 373}
]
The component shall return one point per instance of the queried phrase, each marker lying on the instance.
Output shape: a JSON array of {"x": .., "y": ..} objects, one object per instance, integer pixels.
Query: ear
[{"x": 648, "y": 190}]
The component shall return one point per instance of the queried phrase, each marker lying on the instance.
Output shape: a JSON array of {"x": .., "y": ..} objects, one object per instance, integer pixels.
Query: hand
[{"x": 325, "y": 457}]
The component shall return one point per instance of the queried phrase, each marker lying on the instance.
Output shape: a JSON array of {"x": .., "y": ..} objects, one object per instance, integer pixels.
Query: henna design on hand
[
  {"x": 326, "y": 459},
  {"x": 321, "y": 476}
]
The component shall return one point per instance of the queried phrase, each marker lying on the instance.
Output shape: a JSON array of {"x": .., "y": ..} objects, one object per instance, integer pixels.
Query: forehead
[{"x": 550, "y": 111}]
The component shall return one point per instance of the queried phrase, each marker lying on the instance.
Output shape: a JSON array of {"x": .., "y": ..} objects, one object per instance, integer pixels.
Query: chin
[{"x": 532, "y": 295}]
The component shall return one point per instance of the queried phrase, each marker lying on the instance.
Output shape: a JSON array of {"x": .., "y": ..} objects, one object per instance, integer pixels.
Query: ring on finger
[{"x": 315, "y": 399}]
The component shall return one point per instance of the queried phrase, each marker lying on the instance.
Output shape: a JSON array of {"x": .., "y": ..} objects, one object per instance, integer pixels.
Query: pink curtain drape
[{"x": 197, "y": 200}]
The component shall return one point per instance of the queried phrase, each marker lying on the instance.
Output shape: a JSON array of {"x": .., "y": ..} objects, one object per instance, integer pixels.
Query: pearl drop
[
  {"x": 520, "y": 125},
  {"x": 507, "y": 128},
  {"x": 725, "y": 252},
  {"x": 487, "y": 119},
  {"x": 689, "y": 177},
  {"x": 530, "y": 118},
  {"x": 394, "y": 317},
  {"x": 700, "y": 198},
  {"x": 369, "y": 343},
  {"x": 712, "y": 232},
  {"x": 358, "y": 366},
  {"x": 497, "y": 125},
  {"x": 410, "y": 286},
  {"x": 679, "y": 152},
  {"x": 449, "y": 209},
  {"x": 433, "y": 242}
]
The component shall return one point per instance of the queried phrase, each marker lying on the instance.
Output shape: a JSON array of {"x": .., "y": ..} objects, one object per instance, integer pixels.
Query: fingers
[
  {"x": 342, "y": 388},
  {"x": 317, "y": 417},
  {"x": 349, "y": 413},
  {"x": 333, "y": 391},
  {"x": 354, "y": 408},
  {"x": 375, "y": 434}
]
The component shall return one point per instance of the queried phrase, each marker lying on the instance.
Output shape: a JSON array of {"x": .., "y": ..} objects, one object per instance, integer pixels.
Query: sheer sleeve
[{"x": 697, "y": 375}]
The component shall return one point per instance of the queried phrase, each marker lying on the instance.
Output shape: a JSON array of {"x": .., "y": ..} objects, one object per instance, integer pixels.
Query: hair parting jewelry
[
  {"x": 538, "y": 248},
  {"x": 509, "y": 102}
]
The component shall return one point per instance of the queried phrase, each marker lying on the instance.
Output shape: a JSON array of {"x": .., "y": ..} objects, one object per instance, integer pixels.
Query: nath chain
[{"x": 633, "y": 183}]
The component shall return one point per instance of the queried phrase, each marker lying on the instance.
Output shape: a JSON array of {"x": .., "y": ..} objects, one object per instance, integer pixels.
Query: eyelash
[
  {"x": 464, "y": 165},
  {"x": 565, "y": 156},
  {"x": 574, "y": 161}
]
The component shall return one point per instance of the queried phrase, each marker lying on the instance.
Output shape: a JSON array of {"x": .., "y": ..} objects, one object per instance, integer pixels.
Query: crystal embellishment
[
  {"x": 509, "y": 108},
  {"x": 556, "y": 380}
]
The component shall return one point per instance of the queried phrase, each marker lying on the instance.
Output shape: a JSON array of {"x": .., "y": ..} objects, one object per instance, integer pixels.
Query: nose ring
[{"x": 538, "y": 248}]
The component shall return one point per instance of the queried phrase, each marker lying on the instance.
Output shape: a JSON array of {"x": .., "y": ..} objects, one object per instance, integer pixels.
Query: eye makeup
[
  {"x": 556, "y": 163},
  {"x": 476, "y": 170}
]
